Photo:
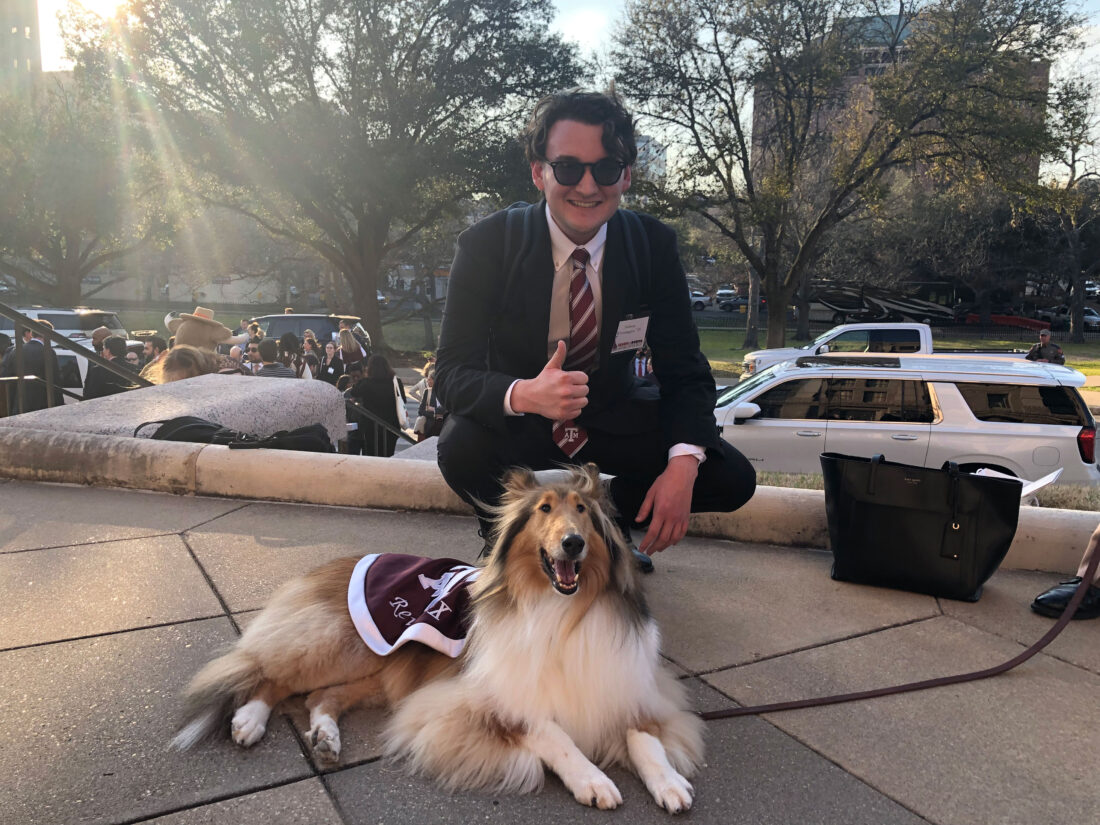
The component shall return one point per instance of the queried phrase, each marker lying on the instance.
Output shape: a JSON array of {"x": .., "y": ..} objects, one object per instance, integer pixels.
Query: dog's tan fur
[{"x": 546, "y": 679}]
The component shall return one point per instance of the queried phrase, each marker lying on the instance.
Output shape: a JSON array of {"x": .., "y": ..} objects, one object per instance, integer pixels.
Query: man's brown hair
[{"x": 593, "y": 108}]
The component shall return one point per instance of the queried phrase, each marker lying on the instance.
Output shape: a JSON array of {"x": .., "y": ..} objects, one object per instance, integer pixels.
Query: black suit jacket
[
  {"x": 497, "y": 319},
  {"x": 101, "y": 382},
  {"x": 35, "y": 354}
]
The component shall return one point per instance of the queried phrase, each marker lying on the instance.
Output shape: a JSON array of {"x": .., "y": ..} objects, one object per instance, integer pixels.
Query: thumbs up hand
[{"x": 555, "y": 393}]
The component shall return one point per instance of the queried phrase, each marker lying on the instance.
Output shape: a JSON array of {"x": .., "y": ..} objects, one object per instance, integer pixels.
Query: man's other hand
[
  {"x": 669, "y": 501},
  {"x": 555, "y": 393}
]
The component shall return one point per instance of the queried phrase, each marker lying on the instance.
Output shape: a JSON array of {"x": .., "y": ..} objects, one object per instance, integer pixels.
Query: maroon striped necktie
[{"x": 583, "y": 346}]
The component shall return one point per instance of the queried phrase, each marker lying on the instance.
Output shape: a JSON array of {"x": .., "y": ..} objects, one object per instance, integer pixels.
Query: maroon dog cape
[{"x": 395, "y": 599}]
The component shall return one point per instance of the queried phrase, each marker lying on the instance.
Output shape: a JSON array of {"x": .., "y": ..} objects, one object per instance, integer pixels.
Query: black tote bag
[{"x": 941, "y": 532}]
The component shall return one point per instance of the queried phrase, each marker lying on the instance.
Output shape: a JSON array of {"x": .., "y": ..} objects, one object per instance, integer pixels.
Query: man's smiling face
[{"x": 579, "y": 210}]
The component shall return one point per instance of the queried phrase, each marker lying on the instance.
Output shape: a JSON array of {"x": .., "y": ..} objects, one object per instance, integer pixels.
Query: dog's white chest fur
[{"x": 593, "y": 679}]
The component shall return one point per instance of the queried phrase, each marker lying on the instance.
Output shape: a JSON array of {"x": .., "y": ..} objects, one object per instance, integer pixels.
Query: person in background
[
  {"x": 431, "y": 415},
  {"x": 100, "y": 380},
  {"x": 133, "y": 361},
  {"x": 310, "y": 365},
  {"x": 1045, "y": 351},
  {"x": 358, "y": 333},
  {"x": 35, "y": 353},
  {"x": 252, "y": 353},
  {"x": 351, "y": 351},
  {"x": 184, "y": 361},
  {"x": 232, "y": 364},
  {"x": 5, "y": 344},
  {"x": 376, "y": 393},
  {"x": 272, "y": 367},
  {"x": 332, "y": 366}
]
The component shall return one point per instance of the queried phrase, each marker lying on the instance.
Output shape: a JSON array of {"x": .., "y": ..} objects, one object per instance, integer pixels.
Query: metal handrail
[
  {"x": 22, "y": 321},
  {"x": 363, "y": 412}
]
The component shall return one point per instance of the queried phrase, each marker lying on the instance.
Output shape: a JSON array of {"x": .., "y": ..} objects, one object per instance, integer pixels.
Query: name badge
[
  {"x": 331, "y": 370},
  {"x": 631, "y": 334}
]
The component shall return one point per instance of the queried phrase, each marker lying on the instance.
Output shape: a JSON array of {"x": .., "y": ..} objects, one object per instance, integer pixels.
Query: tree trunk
[
  {"x": 777, "y": 317},
  {"x": 752, "y": 307},
  {"x": 364, "y": 294},
  {"x": 1077, "y": 309},
  {"x": 802, "y": 295}
]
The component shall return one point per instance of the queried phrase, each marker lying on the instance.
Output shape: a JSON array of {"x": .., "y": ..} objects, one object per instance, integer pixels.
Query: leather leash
[{"x": 1063, "y": 620}]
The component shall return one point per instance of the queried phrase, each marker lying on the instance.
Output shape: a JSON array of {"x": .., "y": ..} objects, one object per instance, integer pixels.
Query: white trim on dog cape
[{"x": 394, "y": 599}]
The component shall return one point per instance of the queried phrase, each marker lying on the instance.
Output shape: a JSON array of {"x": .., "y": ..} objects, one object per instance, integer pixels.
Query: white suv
[
  {"x": 1019, "y": 417},
  {"x": 76, "y": 323}
]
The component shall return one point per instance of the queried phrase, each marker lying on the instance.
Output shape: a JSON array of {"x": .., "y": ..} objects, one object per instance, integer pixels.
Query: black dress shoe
[
  {"x": 644, "y": 562},
  {"x": 1053, "y": 602}
]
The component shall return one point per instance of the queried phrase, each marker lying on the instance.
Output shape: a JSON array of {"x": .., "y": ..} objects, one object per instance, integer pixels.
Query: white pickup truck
[{"x": 880, "y": 338}]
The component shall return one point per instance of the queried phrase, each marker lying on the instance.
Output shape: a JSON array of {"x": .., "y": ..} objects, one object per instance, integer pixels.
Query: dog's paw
[
  {"x": 598, "y": 791},
  {"x": 672, "y": 792},
  {"x": 324, "y": 736},
  {"x": 250, "y": 723}
]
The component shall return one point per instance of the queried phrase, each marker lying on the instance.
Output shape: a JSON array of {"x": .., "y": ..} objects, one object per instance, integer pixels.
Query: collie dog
[{"x": 560, "y": 666}]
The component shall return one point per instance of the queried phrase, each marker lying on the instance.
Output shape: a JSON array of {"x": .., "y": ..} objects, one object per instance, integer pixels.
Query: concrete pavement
[{"x": 111, "y": 599}]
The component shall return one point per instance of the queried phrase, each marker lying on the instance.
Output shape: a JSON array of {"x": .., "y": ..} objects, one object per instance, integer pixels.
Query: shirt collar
[{"x": 562, "y": 248}]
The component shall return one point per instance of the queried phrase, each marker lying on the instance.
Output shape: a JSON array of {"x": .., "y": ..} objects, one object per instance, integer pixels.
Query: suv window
[
  {"x": 895, "y": 340},
  {"x": 879, "y": 399},
  {"x": 854, "y": 340},
  {"x": 801, "y": 398},
  {"x": 1025, "y": 404},
  {"x": 323, "y": 328}
]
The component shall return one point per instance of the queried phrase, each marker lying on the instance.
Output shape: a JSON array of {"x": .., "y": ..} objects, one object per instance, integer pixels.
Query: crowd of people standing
[{"x": 198, "y": 345}]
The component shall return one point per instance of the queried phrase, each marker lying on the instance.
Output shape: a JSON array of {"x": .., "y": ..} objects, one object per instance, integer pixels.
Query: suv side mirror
[
  {"x": 744, "y": 411},
  {"x": 824, "y": 348}
]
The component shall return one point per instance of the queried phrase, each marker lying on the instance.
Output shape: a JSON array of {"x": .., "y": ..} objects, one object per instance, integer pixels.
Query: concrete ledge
[
  {"x": 1050, "y": 540},
  {"x": 348, "y": 481},
  {"x": 97, "y": 460}
]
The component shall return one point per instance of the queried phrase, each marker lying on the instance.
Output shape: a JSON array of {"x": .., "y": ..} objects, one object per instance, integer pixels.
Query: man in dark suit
[
  {"x": 525, "y": 382},
  {"x": 101, "y": 381},
  {"x": 35, "y": 353}
]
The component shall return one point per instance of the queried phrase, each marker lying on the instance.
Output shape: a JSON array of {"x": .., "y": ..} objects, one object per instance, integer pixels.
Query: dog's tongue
[{"x": 565, "y": 571}]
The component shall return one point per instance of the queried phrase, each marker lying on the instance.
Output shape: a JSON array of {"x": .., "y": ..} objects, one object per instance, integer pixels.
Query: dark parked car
[{"x": 325, "y": 327}]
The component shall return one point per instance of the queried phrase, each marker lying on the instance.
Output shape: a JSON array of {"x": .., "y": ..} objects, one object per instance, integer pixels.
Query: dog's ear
[
  {"x": 519, "y": 480},
  {"x": 589, "y": 480}
]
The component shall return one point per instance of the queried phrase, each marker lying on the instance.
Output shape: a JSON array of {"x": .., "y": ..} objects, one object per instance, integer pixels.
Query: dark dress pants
[{"x": 473, "y": 459}]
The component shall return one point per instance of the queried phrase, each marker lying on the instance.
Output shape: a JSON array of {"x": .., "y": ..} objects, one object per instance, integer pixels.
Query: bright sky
[{"x": 586, "y": 22}]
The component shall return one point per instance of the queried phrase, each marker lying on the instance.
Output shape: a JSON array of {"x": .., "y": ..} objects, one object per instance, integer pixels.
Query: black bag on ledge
[
  {"x": 312, "y": 438},
  {"x": 940, "y": 532}
]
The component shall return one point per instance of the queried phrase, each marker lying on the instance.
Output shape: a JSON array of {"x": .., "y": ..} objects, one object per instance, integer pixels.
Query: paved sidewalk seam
[
  {"x": 211, "y": 520},
  {"x": 794, "y": 650},
  {"x": 210, "y": 583},
  {"x": 106, "y": 634},
  {"x": 93, "y": 543},
  {"x": 213, "y": 800}
]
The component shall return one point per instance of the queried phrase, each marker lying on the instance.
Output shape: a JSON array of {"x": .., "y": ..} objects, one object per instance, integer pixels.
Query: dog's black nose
[{"x": 573, "y": 545}]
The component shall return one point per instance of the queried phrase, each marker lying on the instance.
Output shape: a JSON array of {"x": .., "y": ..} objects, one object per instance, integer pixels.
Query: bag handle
[
  {"x": 876, "y": 462},
  {"x": 973, "y": 676}
]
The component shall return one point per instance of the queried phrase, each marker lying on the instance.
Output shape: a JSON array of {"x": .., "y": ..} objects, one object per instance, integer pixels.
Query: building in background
[{"x": 20, "y": 46}]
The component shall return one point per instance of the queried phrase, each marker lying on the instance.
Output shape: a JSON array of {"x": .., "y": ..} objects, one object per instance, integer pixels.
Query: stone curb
[{"x": 1050, "y": 540}]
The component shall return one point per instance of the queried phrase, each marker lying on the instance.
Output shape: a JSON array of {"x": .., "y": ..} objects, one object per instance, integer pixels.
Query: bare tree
[
  {"x": 344, "y": 126},
  {"x": 786, "y": 117}
]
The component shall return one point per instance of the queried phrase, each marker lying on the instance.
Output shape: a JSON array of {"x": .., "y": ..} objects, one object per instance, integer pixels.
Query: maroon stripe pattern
[{"x": 583, "y": 346}]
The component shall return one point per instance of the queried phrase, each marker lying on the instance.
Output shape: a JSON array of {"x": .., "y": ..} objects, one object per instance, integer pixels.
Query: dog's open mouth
[{"x": 562, "y": 573}]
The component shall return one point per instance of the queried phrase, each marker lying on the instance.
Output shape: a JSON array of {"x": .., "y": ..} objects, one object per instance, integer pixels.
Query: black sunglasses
[{"x": 569, "y": 172}]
